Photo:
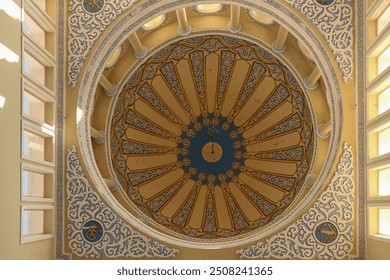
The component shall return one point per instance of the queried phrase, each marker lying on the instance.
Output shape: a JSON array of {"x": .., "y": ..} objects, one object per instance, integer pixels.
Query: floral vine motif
[
  {"x": 86, "y": 211},
  {"x": 325, "y": 231},
  {"x": 88, "y": 19},
  {"x": 334, "y": 20}
]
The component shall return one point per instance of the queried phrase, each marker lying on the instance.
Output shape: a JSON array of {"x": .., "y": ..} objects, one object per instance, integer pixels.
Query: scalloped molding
[
  {"x": 334, "y": 206},
  {"x": 334, "y": 21},
  {"x": 94, "y": 230}
]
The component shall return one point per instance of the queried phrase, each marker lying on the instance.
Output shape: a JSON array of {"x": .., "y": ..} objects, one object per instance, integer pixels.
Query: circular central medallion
[{"x": 212, "y": 152}]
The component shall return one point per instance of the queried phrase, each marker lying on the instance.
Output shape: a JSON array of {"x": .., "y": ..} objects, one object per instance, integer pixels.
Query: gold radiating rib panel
[
  {"x": 150, "y": 161},
  {"x": 285, "y": 168},
  {"x": 278, "y": 143},
  {"x": 277, "y": 115},
  {"x": 153, "y": 115},
  {"x": 166, "y": 94},
  {"x": 261, "y": 93},
  {"x": 197, "y": 215},
  {"x": 236, "y": 82},
  {"x": 188, "y": 83},
  {"x": 249, "y": 210},
  {"x": 138, "y": 135},
  {"x": 177, "y": 201},
  {"x": 223, "y": 217},
  {"x": 212, "y": 62},
  {"x": 153, "y": 187},
  {"x": 271, "y": 193}
]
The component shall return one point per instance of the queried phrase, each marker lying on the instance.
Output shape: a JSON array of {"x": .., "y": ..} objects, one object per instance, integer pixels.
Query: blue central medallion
[{"x": 212, "y": 150}]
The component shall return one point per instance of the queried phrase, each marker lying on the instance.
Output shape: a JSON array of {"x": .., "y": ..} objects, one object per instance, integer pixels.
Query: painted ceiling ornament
[
  {"x": 334, "y": 19},
  {"x": 93, "y": 6},
  {"x": 94, "y": 230},
  {"x": 87, "y": 20},
  {"x": 325, "y": 231},
  {"x": 217, "y": 164}
]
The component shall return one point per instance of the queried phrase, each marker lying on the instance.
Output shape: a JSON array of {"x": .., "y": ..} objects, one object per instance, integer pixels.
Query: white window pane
[
  {"x": 384, "y": 142},
  {"x": 34, "y": 30},
  {"x": 33, "y": 184},
  {"x": 383, "y": 20},
  {"x": 384, "y": 101},
  {"x": 32, "y": 222},
  {"x": 33, "y": 68},
  {"x": 383, "y": 60},
  {"x": 384, "y": 221},
  {"x": 33, "y": 107},
  {"x": 33, "y": 146}
]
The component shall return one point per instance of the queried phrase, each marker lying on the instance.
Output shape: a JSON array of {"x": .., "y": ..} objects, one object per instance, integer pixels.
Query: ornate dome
[{"x": 212, "y": 137}]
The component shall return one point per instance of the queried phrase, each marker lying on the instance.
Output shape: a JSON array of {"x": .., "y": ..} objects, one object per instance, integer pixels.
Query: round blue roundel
[
  {"x": 93, "y": 6},
  {"x": 326, "y": 232},
  {"x": 92, "y": 231}
]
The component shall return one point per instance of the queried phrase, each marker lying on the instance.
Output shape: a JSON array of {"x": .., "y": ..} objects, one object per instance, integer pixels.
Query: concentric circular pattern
[{"x": 212, "y": 137}]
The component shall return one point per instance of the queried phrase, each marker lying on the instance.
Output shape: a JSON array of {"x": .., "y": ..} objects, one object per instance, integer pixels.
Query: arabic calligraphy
[
  {"x": 92, "y": 231},
  {"x": 326, "y": 232}
]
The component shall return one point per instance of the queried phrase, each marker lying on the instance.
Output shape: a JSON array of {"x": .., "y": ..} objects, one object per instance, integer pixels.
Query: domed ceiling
[{"x": 212, "y": 137}]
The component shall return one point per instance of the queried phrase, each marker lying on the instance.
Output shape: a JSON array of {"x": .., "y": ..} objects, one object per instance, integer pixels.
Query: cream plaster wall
[{"x": 10, "y": 122}]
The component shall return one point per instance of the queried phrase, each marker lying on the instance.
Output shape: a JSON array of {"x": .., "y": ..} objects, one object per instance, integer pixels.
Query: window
[
  {"x": 260, "y": 17},
  {"x": 378, "y": 123},
  {"x": 37, "y": 176},
  {"x": 384, "y": 101},
  {"x": 384, "y": 60},
  {"x": 383, "y": 20},
  {"x": 32, "y": 222},
  {"x": 33, "y": 146},
  {"x": 32, "y": 29},
  {"x": 209, "y": 8},
  {"x": 32, "y": 184},
  {"x": 154, "y": 23},
  {"x": 384, "y": 182},
  {"x": 384, "y": 221},
  {"x": 36, "y": 223},
  {"x": 384, "y": 142},
  {"x": 33, "y": 107},
  {"x": 37, "y": 183},
  {"x": 33, "y": 68}
]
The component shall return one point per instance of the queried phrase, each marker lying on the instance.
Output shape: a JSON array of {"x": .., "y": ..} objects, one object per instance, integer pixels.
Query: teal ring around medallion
[{"x": 202, "y": 132}]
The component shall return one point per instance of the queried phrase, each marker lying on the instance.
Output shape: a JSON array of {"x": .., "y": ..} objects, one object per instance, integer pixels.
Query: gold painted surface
[{"x": 216, "y": 86}]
